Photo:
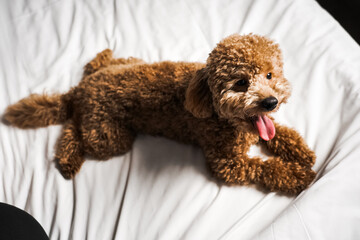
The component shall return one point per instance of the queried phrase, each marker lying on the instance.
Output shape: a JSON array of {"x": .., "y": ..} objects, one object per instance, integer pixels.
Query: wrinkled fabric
[{"x": 162, "y": 189}]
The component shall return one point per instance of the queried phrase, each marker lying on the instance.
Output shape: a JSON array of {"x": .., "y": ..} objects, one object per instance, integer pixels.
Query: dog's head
[{"x": 242, "y": 81}]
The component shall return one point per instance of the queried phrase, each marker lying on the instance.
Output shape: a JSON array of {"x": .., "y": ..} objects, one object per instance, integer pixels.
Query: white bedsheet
[{"x": 161, "y": 189}]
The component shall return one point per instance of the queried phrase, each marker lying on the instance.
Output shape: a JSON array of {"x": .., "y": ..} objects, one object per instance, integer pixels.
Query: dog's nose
[{"x": 269, "y": 103}]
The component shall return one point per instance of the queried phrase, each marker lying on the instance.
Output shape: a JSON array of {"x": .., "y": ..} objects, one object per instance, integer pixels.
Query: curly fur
[{"x": 190, "y": 102}]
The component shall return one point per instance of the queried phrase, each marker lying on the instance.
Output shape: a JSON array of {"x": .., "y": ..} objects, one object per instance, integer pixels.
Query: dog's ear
[{"x": 198, "y": 96}]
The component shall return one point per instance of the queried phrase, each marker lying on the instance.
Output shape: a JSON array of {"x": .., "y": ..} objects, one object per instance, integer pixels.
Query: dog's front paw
[
  {"x": 291, "y": 147},
  {"x": 306, "y": 157},
  {"x": 299, "y": 153},
  {"x": 286, "y": 177}
]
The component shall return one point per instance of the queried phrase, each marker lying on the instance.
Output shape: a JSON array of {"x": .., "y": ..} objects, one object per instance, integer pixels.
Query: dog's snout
[{"x": 269, "y": 103}]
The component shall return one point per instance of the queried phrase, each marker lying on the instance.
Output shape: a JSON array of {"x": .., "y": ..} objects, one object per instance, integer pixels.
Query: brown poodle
[{"x": 222, "y": 106}]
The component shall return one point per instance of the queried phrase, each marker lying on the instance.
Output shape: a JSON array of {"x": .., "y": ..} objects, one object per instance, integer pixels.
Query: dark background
[{"x": 347, "y": 13}]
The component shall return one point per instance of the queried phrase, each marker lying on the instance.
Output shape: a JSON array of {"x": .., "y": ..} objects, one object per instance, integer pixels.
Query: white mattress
[{"x": 161, "y": 189}]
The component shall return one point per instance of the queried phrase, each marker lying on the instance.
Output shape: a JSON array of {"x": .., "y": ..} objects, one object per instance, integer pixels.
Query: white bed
[{"x": 161, "y": 189}]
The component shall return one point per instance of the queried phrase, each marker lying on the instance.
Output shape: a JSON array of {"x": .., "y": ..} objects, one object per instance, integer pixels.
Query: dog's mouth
[{"x": 264, "y": 126}]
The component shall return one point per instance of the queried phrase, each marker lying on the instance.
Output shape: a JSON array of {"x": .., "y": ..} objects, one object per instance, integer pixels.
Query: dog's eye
[
  {"x": 241, "y": 82},
  {"x": 269, "y": 76}
]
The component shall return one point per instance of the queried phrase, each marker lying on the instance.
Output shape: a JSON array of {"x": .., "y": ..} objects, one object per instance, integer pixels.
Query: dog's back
[{"x": 148, "y": 98}]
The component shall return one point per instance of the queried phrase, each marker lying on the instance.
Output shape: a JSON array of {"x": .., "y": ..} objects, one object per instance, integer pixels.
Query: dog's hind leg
[
  {"x": 104, "y": 59},
  {"x": 106, "y": 138},
  {"x": 126, "y": 61},
  {"x": 69, "y": 153},
  {"x": 101, "y": 60}
]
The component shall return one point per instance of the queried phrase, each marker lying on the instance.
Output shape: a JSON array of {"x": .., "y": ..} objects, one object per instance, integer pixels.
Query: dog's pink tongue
[{"x": 265, "y": 127}]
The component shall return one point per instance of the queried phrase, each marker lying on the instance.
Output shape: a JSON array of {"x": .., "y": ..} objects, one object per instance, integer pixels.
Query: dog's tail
[{"x": 37, "y": 111}]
